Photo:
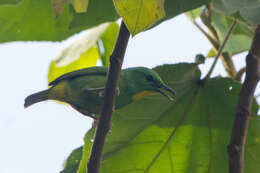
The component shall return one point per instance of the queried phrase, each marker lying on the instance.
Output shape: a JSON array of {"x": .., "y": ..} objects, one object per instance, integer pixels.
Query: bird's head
[{"x": 143, "y": 81}]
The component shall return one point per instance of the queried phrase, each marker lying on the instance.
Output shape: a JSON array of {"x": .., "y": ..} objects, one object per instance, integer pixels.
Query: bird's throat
[{"x": 142, "y": 94}]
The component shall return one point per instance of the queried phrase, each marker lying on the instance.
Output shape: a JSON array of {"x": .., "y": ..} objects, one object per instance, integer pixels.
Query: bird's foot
[
  {"x": 84, "y": 112},
  {"x": 95, "y": 121}
]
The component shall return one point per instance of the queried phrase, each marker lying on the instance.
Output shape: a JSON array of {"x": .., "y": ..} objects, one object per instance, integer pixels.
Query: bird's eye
[{"x": 149, "y": 78}]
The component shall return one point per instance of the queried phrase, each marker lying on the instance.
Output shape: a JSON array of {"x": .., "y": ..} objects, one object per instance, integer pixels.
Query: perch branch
[
  {"x": 236, "y": 146},
  {"x": 104, "y": 123}
]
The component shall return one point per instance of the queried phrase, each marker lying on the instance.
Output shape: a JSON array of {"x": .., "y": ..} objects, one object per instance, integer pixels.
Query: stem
[
  {"x": 225, "y": 57},
  {"x": 104, "y": 123},
  {"x": 213, "y": 41},
  {"x": 239, "y": 75},
  {"x": 220, "y": 50},
  {"x": 236, "y": 146},
  {"x": 228, "y": 64}
]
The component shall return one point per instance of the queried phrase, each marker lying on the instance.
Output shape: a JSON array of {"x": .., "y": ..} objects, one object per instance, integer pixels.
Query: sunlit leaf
[
  {"x": 107, "y": 41},
  {"x": 188, "y": 136},
  {"x": 139, "y": 15},
  {"x": 80, "y": 5},
  {"x": 193, "y": 14},
  {"x": 87, "y": 59},
  {"x": 211, "y": 53},
  {"x": 85, "y": 52}
]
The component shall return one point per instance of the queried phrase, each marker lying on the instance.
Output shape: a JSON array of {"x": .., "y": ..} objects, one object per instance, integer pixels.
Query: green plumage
[{"x": 84, "y": 89}]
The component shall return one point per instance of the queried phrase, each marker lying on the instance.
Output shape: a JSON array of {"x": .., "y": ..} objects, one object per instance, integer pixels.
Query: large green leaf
[
  {"x": 36, "y": 20},
  {"x": 249, "y": 9},
  {"x": 85, "y": 52},
  {"x": 189, "y": 135}
]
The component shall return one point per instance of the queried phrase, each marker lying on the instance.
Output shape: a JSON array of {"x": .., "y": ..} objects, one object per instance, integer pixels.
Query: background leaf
[
  {"x": 80, "y": 6},
  {"x": 72, "y": 162},
  {"x": 190, "y": 135},
  {"x": 36, "y": 20},
  {"x": 240, "y": 39},
  {"x": 249, "y": 9},
  {"x": 85, "y": 52},
  {"x": 5, "y": 2}
]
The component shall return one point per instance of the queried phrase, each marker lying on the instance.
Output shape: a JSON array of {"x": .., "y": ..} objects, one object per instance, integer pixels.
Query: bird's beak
[{"x": 163, "y": 86}]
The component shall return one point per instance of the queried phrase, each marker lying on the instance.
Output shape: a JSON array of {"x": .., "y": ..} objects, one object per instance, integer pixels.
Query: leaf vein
[{"x": 171, "y": 134}]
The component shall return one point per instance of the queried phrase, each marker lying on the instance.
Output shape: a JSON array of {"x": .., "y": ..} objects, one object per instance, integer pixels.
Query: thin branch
[
  {"x": 228, "y": 64},
  {"x": 212, "y": 40},
  {"x": 239, "y": 75},
  {"x": 220, "y": 50},
  {"x": 236, "y": 146},
  {"x": 104, "y": 123},
  {"x": 225, "y": 57}
]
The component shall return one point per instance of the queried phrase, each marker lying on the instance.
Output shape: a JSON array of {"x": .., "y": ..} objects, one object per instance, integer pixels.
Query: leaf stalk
[{"x": 220, "y": 50}]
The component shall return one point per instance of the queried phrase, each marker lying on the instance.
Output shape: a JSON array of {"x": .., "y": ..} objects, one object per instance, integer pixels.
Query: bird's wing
[{"x": 101, "y": 71}]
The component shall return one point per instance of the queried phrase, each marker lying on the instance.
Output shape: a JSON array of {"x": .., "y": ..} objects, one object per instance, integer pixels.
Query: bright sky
[{"x": 38, "y": 139}]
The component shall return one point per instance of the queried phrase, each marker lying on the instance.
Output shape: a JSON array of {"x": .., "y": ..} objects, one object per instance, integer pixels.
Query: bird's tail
[{"x": 36, "y": 97}]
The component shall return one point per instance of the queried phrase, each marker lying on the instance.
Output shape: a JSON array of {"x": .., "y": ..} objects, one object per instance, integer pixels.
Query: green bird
[{"x": 84, "y": 89}]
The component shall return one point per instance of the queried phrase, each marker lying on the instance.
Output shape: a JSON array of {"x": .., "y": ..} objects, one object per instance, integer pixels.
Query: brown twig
[
  {"x": 116, "y": 60},
  {"x": 229, "y": 66},
  {"x": 239, "y": 74},
  {"x": 236, "y": 146}
]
